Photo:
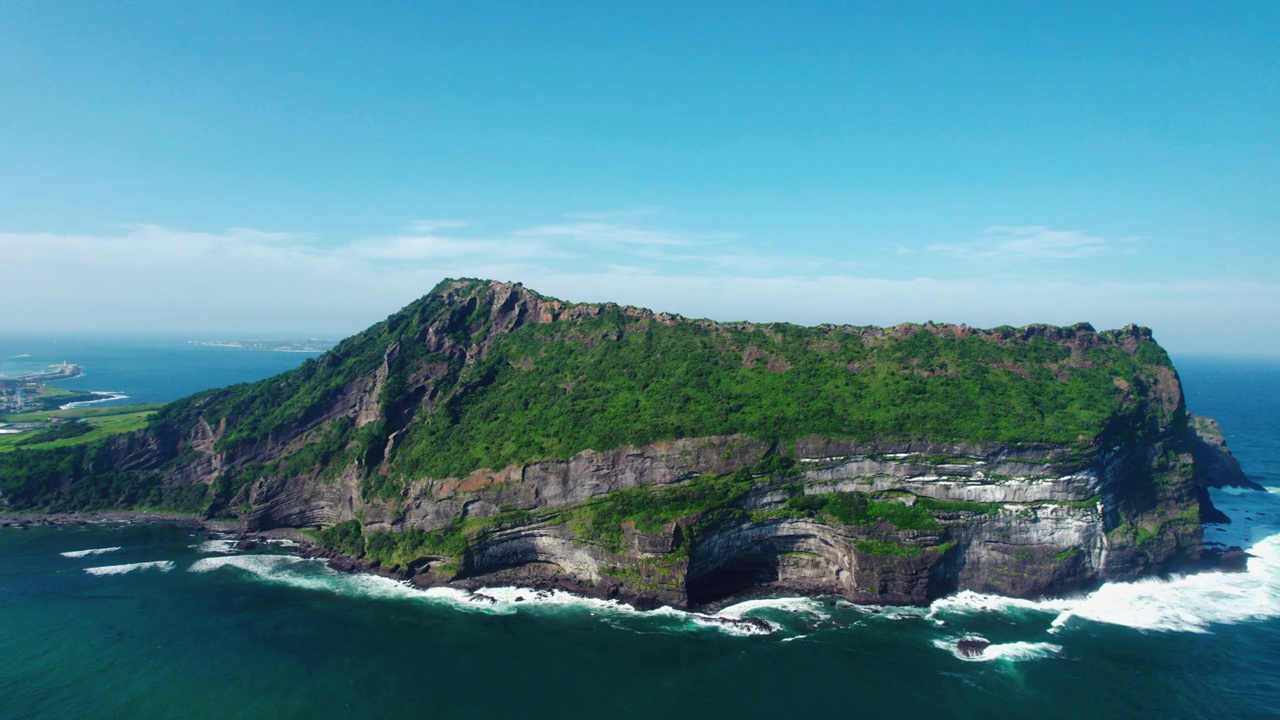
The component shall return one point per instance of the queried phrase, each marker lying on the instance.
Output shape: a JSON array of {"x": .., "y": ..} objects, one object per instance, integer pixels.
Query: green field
[{"x": 105, "y": 421}]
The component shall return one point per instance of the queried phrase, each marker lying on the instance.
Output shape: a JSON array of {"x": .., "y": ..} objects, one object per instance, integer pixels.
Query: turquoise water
[
  {"x": 144, "y": 369},
  {"x": 169, "y": 622}
]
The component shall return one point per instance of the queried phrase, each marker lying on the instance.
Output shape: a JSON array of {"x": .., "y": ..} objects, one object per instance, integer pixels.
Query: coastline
[
  {"x": 99, "y": 517},
  {"x": 523, "y": 577},
  {"x": 1227, "y": 559},
  {"x": 104, "y": 396}
]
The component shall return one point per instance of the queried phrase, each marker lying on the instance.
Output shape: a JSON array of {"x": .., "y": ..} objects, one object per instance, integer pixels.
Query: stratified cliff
[{"x": 488, "y": 433}]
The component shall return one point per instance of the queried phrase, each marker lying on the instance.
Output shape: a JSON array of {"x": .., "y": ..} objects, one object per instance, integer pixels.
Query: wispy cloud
[
  {"x": 1033, "y": 242},
  {"x": 147, "y": 277},
  {"x": 603, "y": 233},
  {"x": 428, "y": 226},
  {"x": 630, "y": 214},
  {"x": 423, "y": 248}
]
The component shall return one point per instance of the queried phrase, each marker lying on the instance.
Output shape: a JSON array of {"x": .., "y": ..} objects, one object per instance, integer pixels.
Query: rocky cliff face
[{"x": 688, "y": 518}]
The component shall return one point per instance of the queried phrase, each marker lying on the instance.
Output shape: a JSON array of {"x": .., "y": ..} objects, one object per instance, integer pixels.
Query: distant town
[
  {"x": 311, "y": 345},
  {"x": 24, "y": 392}
]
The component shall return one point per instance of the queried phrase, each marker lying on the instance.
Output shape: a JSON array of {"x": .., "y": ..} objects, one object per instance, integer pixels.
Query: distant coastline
[
  {"x": 311, "y": 345},
  {"x": 63, "y": 371}
]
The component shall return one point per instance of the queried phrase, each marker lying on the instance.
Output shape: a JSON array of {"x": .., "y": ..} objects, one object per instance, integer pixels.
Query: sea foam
[
  {"x": 314, "y": 575},
  {"x": 161, "y": 565},
  {"x": 1010, "y": 652},
  {"x": 1191, "y": 603},
  {"x": 746, "y": 608},
  {"x": 87, "y": 553},
  {"x": 223, "y": 546}
]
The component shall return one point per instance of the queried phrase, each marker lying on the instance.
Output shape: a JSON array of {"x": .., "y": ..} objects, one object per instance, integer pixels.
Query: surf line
[{"x": 107, "y": 396}]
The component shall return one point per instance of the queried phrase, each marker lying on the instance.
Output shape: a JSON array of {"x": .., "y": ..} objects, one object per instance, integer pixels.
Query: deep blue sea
[
  {"x": 160, "y": 621},
  {"x": 144, "y": 369}
]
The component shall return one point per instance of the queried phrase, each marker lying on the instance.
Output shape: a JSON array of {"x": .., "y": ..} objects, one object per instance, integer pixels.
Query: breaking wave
[
  {"x": 1191, "y": 603},
  {"x": 224, "y": 546},
  {"x": 315, "y": 575},
  {"x": 105, "y": 396},
  {"x": 87, "y": 553},
  {"x": 1010, "y": 652},
  {"x": 161, "y": 565}
]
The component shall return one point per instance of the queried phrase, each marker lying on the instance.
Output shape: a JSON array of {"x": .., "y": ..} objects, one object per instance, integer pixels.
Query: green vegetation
[
  {"x": 702, "y": 503},
  {"x": 79, "y": 477},
  {"x": 346, "y": 537},
  {"x": 865, "y": 509},
  {"x": 885, "y": 547},
  {"x": 400, "y": 549},
  {"x": 82, "y": 412},
  {"x": 601, "y": 519},
  {"x": 47, "y": 398},
  {"x": 640, "y": 379},
  {"x": 321, "y": 452},
  {"x": 63, "y": 431},
  {"x": 598, "y": 378},
  {"x": 940, "y": 459},
  {"x": 1135, "y": 534},
  {"x": 95, "y": 424},
  {"x": 69, "y": 467}
]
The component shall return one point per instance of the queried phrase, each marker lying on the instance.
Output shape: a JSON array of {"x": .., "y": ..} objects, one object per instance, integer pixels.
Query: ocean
[
  {"x": 141, "y": 369},
  {"x": 163, "y": 621}
]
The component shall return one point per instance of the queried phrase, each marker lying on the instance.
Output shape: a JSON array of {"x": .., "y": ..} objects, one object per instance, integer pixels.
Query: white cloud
[
  {"x": 146, "y": 277},
  {"x": 602, "y": 233},
  {"x": 420, "y": 248},
  {"x": 618, "y": 215},
  {"x": 428, "y": 226},
  {"x": 1032, "y": 242}
]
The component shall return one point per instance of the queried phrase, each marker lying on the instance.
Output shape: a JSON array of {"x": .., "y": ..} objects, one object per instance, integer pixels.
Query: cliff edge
[{"x": 487, "y": 433}]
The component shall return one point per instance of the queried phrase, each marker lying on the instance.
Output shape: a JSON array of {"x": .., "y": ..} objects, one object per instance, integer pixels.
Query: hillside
[{"x": 488, "y": 429}]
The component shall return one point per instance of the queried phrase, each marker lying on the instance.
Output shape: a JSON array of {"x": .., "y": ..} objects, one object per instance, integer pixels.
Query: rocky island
[{"x": 488, "y": 434}]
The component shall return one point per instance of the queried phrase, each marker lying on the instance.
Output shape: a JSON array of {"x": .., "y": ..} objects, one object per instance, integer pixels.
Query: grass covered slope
[
  {"x": 465, "y": 393},
  {"x": 484, "y": 375},
  {"x": 94, "y": 423},
  {"x": 551, "y": 390}
]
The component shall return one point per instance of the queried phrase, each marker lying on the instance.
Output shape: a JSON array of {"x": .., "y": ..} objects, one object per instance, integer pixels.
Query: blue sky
[{"x": 310, "y": 167}]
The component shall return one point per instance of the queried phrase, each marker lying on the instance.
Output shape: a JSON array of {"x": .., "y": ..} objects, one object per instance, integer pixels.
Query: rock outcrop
[
  {"x": 1216, "y": 467},
  {"x": 900, "y": 508}
]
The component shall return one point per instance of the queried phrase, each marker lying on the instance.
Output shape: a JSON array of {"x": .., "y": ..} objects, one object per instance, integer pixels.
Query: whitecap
[
  {"x": 86, "y": 553},
  {"x": 223, "y": 546},
  {"x": 808, "y": 606},
  {"x": 732, "y": 626},
  {"x": 968, "y": 602},
  {"x": 1193, "y": 603},
  {"x": 161, "y": 565},
  {"x": 107, "y": 396},
  {"x": 1010, "y": 652},
  {"x": 314, "y": 575}
]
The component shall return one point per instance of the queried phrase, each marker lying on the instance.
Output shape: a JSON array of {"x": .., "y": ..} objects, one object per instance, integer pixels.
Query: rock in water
[{"x": 972, "y": 647}]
